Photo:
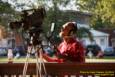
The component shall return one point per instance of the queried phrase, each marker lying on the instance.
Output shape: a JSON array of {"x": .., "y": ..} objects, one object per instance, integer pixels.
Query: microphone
[
  {"x": 50, "y": 32},
  {"x": 52, "y": 27}
]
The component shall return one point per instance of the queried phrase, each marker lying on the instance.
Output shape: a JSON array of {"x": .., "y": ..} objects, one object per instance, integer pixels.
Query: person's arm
[{"x": 50, "y": 59}]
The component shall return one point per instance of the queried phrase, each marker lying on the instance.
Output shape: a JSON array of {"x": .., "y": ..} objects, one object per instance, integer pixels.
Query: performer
[{"x": 70, "y": 50}]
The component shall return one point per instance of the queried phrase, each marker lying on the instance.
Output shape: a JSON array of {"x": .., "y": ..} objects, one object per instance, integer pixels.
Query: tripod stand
[{"x": 39, "y": 63}]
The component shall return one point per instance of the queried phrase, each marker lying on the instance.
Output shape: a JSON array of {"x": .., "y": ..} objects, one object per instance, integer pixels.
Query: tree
[
  {"x": 6, "y": 13},
  {"x": 54, "y": 14},
  {"x": 52, "y": 10},
  {"x": 103, "y": 11}
]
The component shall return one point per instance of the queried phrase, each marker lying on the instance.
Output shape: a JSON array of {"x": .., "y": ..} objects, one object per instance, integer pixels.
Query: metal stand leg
[
  {"x": 39, "y": 63},
  {"x": 26, "y": 65}
]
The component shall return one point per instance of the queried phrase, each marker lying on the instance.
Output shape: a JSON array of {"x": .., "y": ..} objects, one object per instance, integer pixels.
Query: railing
[{"x": 60, "y": 69}]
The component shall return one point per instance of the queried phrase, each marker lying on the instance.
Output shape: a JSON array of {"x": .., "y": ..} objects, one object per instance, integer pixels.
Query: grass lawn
[{"x": 23, "y": 59}]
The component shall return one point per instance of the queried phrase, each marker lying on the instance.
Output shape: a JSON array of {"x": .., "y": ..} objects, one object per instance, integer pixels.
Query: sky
[{"x": 71, "y": 5}]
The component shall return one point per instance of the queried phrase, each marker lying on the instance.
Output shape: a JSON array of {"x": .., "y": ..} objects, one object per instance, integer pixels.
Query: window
[
  {"x": 102, "y": 41},
  {"x": 113, "y": 42}
]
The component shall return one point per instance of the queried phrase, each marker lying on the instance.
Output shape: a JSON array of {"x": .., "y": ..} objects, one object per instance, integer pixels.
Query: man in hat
[{"x": 70, "y": 50}]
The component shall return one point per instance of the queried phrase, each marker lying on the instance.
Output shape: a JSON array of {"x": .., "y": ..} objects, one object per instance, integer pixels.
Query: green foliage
[
  {"x": 5, "y": 7},
  {"x": 59, "y": 17},
  {"x": 6, "y": 13},
  {"x": 54, "y": 15},
  {"x": 106, "y": 9},
  {"x": 103, "y": 12},
  {"x": 86, "y": 5}
]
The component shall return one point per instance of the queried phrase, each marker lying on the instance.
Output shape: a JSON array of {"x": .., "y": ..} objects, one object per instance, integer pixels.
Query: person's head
[{"x": 68, "y": 29}]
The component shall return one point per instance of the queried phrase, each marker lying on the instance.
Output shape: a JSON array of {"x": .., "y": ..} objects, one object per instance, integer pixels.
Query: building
[
  {"x": 111, "y": 39},
  {"x": 99, "y": 37}
]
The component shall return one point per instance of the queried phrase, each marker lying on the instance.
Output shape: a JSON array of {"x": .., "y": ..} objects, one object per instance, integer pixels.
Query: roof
[
  {"x": 79, "y": 12},
  {"x": 111, "y": 32},
  {"x": 98, "y": 33}
]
